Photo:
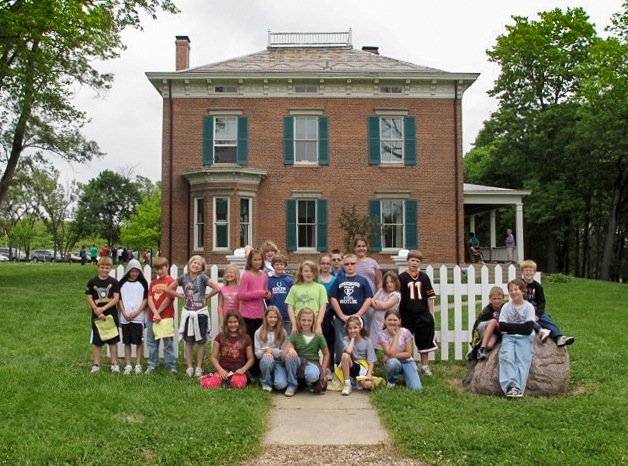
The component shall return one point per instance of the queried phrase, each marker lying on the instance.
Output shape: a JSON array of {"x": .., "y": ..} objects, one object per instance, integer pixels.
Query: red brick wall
[{"x": 347, "y": 180}]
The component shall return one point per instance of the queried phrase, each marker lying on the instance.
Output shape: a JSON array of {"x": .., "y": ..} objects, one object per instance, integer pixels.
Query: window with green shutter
[
  {"x": 306, "y": 140},
  {"x": 225, "y": 140},
  {"x": 397, "y": 224},
  {"x": 306, "y": 224},
  {"x": 392, "y": 140}
]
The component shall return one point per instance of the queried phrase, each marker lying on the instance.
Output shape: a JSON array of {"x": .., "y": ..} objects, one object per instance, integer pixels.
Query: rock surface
[{"x": 549, "y": 372}]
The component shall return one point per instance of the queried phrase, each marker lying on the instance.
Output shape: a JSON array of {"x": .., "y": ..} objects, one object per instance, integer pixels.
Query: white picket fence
[{"x": 461, "y": 299}]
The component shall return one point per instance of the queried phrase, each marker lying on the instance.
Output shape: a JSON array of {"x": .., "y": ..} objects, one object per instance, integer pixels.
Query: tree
[
  {"x": 142, "y": 230},
  {"x": 106, "y": 201},
  {"x": 46, "y": 51},
  {"x": 356, "y": 225}
]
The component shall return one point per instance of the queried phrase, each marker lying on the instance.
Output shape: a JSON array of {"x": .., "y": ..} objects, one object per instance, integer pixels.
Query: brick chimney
[
  {"x": 370, "y": 49},
  {"x": 183, "y": 53}
]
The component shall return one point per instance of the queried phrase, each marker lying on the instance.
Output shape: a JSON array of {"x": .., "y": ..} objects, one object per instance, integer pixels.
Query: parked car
[
  {"x": 3, "y": 258},
  {"x": 75, "y": 256},
  {"x": 14, "y": 254},
  {"x": 45, "y": 255}
]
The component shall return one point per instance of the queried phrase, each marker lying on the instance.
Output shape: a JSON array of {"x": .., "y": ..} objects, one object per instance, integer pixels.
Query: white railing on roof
[{"x": 309, "y": 39}]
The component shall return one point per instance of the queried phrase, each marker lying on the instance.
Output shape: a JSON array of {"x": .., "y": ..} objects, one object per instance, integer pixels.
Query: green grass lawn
[{"x": 54, "y": 411}]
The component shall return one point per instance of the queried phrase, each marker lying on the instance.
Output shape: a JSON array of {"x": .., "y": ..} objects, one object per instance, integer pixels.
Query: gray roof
[{"x": 328, "y": 60}]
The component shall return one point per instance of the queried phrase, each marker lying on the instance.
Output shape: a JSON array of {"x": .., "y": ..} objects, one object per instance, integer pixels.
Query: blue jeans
[
  {"x": 545, "y": 321},
  {"x": 272, "y": 369},
  {"x": 515, "y": 357},
  {"x": 153, "y": 349},
  {"x": 312, "y": 374},
  {"x": 409, "y": 370},
  {"x": 287, "y": 326},
  {"x": 339, "y": 332}
]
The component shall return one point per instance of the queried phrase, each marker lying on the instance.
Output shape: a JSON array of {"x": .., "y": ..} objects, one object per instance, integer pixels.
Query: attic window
[
  {"x": 226, "y": 89},
  {"x": 306, "y": 89},
  {"x": 390, "y": 90}
]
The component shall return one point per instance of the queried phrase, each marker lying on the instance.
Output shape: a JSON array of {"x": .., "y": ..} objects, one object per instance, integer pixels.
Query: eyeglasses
[
  {"x": 350, "y": 263},
  {"x": 337, "y": 260},
  {"x": 325, "y": 263}
]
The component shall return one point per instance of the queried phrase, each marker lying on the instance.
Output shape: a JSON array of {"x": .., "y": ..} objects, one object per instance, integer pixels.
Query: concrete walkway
[{"x": 327, "y": 419}]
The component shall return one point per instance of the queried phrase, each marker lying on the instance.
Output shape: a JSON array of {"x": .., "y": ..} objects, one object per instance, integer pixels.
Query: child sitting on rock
[{"x": 486, "y": 328}]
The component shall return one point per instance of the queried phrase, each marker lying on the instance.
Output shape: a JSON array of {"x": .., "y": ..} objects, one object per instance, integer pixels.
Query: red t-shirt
[
  {"x": 157, "y": 290},
  {"x": 232, "y": 355}
]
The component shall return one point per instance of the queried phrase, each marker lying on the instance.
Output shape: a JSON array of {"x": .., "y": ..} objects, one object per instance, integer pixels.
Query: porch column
[
  {"x": 519, "y": 232},
  {"x": 493, "y": 236},
  {"x": 472, "y": 223}
]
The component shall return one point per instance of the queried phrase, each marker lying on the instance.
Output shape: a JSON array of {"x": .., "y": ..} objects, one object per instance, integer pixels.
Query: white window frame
[
  {"x": 247, "y": 226},
  {"x": 199, "y": 223},
  {"x": 386, "y": 156},
  {"x": 401, "y": 226},
  {"x": 221, "y": 223},
  {"x": 305, "y": 140},
  {"x": 306, "y": 248},
  {"x": 226, "y": 142}
]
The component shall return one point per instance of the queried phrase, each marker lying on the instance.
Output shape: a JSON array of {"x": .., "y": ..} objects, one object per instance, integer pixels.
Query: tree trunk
[{"x": 617, "y": 200}]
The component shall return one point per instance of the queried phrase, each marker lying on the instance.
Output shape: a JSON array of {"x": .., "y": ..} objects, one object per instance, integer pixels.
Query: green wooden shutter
[
  {"x": 242, "y": 157},
  {"x": 291, "y": 225},
  {"x": 288, "y": 140},
  {"x": 323, "y": 141},
  {"x": 208, "y": 140},
  {"x": 375, "y": 150},
  {"x": 409, "y": 141},
  {"x": 321, "y": 225},
  {"x": 412, "y": 238},
  {"x": 375, "y": 233}
]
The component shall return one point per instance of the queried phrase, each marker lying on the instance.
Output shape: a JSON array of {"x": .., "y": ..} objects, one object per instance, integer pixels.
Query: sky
[{"x": 451, "y": 35}]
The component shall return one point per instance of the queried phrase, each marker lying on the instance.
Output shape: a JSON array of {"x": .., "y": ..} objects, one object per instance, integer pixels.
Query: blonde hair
[
  {"x": 298, "y": 278},
  {"x": 268, "y": 245},
  {"x": 106, "y": 261},
  {"x": 235, "y": 270},
  {"x": 302, "y": 312},
  {"x": 528, "y": 264},
  {"x": 496, "y": 290},
  {"x": 201, "y": 259},
  {"x": 280, "y": 334}
]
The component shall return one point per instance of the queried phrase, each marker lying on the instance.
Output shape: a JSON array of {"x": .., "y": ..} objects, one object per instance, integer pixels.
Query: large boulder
[{"x": 549, "y": 372}]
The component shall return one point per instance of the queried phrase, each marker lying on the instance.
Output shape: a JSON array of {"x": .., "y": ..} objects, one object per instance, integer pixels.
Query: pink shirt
[
  {"x": 251, "y": 294},
  {"x": 229, "y": 299}
]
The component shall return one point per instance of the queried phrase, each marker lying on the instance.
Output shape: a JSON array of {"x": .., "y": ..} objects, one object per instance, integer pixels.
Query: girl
[
  {"x": 252, "y": 291},
  {"x": 358, "y": 358},
  {"x": 132, "y": 307},
  {"x": 396, "y": 342},
  {"x": 270, "y": 341},
  {"x": 386, "y": 298},
  {"x": 232, "y": 354},
  {"x": 326, "y": 279},
  {"x": 270, "y": 250},
  {"x": 369, "y": 269},
  {"x": 194, "y": 325},
  {"x": 228, "y": 296},
  {"x": 301, "y": 354},
  {"x": 307, "y": 293}
]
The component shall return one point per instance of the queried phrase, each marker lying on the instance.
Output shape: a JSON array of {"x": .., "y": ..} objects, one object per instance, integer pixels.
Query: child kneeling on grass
[
  {"x": 516, "y": 322},
  {"x": 270, "y": 341},
  {"x": 396, "y": 343},
  {"x": 232, "y": 354}
]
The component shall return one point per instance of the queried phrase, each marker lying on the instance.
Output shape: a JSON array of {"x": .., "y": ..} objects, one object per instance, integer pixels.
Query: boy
[
  {"x": 103, "y": 293},
  {"x": 132, "y": 307},
  {"x": 486, "y": 328},
  {"x": 279, "y": 284},
  {"x": 516, "y": 322},
  {"x": 350, "y": 295},
  {"x": 417, "y": 308},
  {"x": 160, "y": 306},
  {"x": 536, "y": 296},
  {"x": 336, "y": 264}
]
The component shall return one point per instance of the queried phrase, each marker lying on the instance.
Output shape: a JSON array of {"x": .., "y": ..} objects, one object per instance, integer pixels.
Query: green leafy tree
[
  {"x": 106, "y": 201},
  {"x": 142, "y": 230},
  {"x": 46, "y": 50},
  {"x": 355, "y": 225}
]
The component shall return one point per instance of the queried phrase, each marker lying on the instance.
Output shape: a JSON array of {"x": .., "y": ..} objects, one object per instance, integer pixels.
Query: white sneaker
[
  {"x": 138, "y": 369},
  {"x": 127, "y": 369},
  {"x": 149, "y": 370},
  {"x": 267, "y": 388},
  {"x": 544, "y": 334},
  {"x": 189, "y": 371},
  {"x": 115, "y": 368},
  {"x": 95, "y": 369},
  {"x": 329, "y": 375},
  {"x": 290, "y": 391},
  {"x": 390, "y": 385},
  {"x": 426, "y": 370},
  {"x": 346, "y": 391},
  {"x": 198, "y": 372}
]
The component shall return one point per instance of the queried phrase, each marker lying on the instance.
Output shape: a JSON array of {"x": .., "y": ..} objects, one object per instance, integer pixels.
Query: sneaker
[
  {"x": 346, "y": 391},
  {"x": 329, "y": 375},
  {"x": 95, "y": 368},
  {"x": 198, "y": 372},
  {"x": 564, "y": 341},
  {"x": 482, "y": 355},
  {"x": 189, "y": 371},
  {"x": 138, "y": 369},
  {"x": 290, "y": 391},
  {"x": 426, "y": 371},
  {"x": 544, "y": 334},
  {"x": 390, "y": 385},
  {"x": 173, "y": 370},
  {"x": 267, "y": 388},
  {"x": 127, "y": 369},
  {"x": 149, "y": 370},
  {"x": 115, "y": 368},
  {"x": 514, "y": 392}
]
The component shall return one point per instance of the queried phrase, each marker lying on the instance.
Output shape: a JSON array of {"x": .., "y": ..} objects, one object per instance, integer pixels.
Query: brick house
[{"x": 274, "y": 144}]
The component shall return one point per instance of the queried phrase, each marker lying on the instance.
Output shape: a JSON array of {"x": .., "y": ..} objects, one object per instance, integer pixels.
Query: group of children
[{"x": 282, "y": 329}]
